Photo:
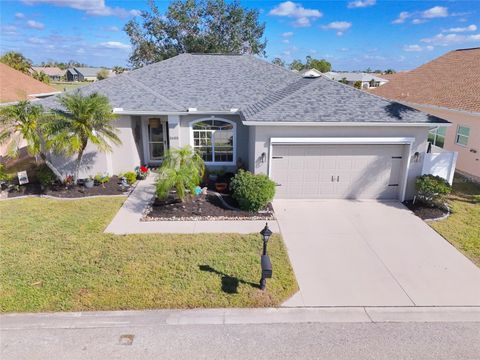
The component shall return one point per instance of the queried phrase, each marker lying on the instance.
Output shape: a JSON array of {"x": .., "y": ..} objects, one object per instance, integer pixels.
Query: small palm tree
[
  {"x": 24, "y": 122},
  {"x": 87, "y": 118},
  {"x": 182, "y": 169}
]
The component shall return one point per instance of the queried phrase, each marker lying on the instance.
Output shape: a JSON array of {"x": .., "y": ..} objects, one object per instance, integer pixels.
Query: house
[
  {"x": 447, "y": 87},
  {"x": 84, "y": 73},
  {"x": 16, "y": 86},
  {"x": 350, "y": 78},
  {"x": 316, "y": 138},
  {"x": 54, "y": 73}
]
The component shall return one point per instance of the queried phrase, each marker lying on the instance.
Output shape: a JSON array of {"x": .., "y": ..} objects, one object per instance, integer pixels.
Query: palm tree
[
  {"x": 87, "y": 118},
  {"x": 23, "y": 122},
  {"x": 17, "y": 61},
  {"x": 182, "y": 169}
]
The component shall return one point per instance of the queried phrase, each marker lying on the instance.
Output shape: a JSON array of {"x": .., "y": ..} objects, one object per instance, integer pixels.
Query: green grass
[
  {"x": 54, "y": 256},
  {"x": 62, "y": 86},
  {"x": 462, "y": 227}
]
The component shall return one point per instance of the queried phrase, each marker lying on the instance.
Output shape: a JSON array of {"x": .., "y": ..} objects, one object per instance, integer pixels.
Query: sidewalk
[{"x": 128, "y": 218}]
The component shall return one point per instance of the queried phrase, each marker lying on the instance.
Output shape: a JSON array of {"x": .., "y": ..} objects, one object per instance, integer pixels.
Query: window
[
  {"x": 437, "y": 136},
  {"x": 462, "y": 135},
  {"x": 214, "y": 140}
]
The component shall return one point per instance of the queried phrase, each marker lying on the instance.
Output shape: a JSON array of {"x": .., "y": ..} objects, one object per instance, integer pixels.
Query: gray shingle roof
[{"x": 262, "y": 91}]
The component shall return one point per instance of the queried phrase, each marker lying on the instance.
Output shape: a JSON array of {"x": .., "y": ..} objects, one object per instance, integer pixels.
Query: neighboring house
[
  {"x": 54, "y": 73},
  {"x": 448, "y": 87},
  {"x": 16, "y": 86},
  {"x": 316, "y": 138},
  {"x": 84, "y": 73},
  {"x": 350, "y": 78}
]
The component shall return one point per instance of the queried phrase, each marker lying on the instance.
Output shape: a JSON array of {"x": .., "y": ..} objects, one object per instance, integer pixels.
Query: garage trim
[{"x": 350, "y": 141}]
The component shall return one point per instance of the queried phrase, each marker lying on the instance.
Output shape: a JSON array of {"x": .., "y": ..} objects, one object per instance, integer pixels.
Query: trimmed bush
[
  {"x": 432, "y": 190},
  {"x": 45, "y": 176},
  {"x": 130, "y": 176},
  {"x": 252, "y": 192},
  {"x": 101, "y": 179}
]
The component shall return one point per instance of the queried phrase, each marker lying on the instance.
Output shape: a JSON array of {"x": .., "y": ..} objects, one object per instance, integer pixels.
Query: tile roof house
[
  {"x": 16, "y": 86},
  {"x": 316, "y": 138},
  {"x": 54, "y": 73},
  {"x": 84, "y": 73},
  {"x": 448, "y": 87},
  {"x": 367, "y": 80}
]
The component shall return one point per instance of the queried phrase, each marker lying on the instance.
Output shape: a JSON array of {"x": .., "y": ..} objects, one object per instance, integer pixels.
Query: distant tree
[
  {"x": 390, "y": 71},
  {"x": 368, "y": 70},
  {"x": 278, "y": 61},
  {"x": 296, "y": 65},
  {"x": 343, "y": 81},
  {"x": 103, "y": 74},
  {"x": 41, "y": 76},
  {"x": 377, "y": 71},
  {"x": 195, "y": 26},
  {"x": 320, "y": 65},
  {"x": 357, "y": 84},
  {"x": 17, "y": 61},
  {"x": 118, "y": 69}
]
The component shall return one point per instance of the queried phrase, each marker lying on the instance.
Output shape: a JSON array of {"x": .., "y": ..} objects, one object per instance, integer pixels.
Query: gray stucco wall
[
  {"x": 264, "y": 133},
  {"x": 242, "y": 135}
]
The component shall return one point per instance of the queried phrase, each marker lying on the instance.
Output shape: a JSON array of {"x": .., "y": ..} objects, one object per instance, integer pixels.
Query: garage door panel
[{"x": 337, "y": 171}]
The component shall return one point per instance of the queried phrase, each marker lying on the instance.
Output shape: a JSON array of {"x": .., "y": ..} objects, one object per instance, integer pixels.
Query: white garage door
[{"x": 337, "y": 171}]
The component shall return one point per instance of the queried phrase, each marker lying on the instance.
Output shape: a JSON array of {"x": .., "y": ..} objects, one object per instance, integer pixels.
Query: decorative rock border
[{"x": 446, "y": 215}]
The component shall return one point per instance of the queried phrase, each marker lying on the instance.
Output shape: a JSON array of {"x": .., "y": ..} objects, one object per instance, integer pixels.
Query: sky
[{"x": 352, "y": 35}]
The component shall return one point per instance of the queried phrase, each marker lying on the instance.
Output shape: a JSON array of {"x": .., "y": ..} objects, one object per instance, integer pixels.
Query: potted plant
[
  {"x": 89, "y": 182},
  {"x": 142, "y": 172}
]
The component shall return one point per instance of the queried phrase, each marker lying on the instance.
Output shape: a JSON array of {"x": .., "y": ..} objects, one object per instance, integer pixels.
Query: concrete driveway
[{"x": 368, "y": 253}]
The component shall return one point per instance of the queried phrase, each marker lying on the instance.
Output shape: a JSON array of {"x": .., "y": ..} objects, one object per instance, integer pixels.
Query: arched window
[{"x": 215, "y": 140}]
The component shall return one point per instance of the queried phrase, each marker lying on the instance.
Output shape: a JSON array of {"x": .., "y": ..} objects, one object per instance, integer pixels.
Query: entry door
[
  {"x": 337, "y": 171},
  {"x": 157, "y": 139}
]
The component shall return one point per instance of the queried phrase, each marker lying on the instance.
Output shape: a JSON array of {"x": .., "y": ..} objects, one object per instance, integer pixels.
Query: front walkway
[
  {"x": 369, "y": 253},
  {"x": 128, "y": 218}
]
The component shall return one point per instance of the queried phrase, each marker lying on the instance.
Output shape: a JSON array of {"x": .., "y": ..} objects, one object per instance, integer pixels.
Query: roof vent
[
  {"x": 311, "y": 73},
  {"x": 192, "y": 109}
]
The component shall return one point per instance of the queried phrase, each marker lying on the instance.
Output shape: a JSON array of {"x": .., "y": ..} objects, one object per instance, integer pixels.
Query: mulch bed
[
  {"x": 73, "y": 191},
  {"x": 203, "y": 207},
  {"x": 425, "y": 212}
]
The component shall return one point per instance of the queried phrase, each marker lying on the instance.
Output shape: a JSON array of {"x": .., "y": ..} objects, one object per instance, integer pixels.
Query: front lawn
[
  {"x": 54, "y": 256},
  {"x": 462, "y": 227}
]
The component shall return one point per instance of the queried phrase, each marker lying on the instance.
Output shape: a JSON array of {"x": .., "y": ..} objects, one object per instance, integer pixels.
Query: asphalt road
[{"x": 410, "y": 340}]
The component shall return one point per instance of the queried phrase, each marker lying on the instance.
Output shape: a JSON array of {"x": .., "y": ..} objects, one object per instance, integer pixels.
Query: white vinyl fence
[{"x": 440, "y": 164}]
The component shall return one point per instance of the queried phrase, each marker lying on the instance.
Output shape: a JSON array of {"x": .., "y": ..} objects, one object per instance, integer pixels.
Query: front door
[{"x": 157, "y": 139}]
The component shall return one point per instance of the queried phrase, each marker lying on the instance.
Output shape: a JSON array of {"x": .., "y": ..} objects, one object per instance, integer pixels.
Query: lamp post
[{"x": 265, "y": 259}]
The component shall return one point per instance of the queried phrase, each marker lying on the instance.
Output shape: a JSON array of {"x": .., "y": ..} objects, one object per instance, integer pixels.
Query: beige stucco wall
[
  {"x": 468, "y": 156},
  {"x": 264, "y": 133}
]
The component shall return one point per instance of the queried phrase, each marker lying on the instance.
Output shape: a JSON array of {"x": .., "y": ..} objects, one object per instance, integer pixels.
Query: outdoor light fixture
[
  {"x": 263, "y": 157},
  {"x": 416, "y": 156},
  {"x": 265, "y": 259}
]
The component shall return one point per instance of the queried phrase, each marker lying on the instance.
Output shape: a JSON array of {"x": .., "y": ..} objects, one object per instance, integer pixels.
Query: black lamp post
[{"x": 265, "y": 259}]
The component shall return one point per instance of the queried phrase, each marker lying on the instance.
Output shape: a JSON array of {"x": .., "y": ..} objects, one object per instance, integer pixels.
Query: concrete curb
[{"x": 120, "y": 319}]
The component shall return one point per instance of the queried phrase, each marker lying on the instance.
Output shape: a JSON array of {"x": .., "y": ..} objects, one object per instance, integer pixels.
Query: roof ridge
[{"x": 157, "y": 95}]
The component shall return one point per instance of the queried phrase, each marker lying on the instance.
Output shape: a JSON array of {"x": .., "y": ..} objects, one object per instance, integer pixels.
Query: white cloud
[
  {"x": 302, "y": 16},
  {"x": 287, "y": 34},
  {"x": 114, "y": 45},
  {"x": 462, "y": 29},
  {"x": 340, "y": 26},
  {"x": 91, "y": 7},
  {"x": 435, "y": 12},
  {"x": 36, "y": 40},
  {"x": 418, "y": 21},
  {"x": 112, "y": 28},
  {"x": 19, "y": 15},
  {"x": 404, "y": 15},
  {"x": 286, "y": 41},
  {"x": 417, "y": 48},
  {"x": 449, "y": 39},
  {"x": 9, "y": 30},
  {"x": 32, "y": 24},
  {"x": 361, "y": 3}
]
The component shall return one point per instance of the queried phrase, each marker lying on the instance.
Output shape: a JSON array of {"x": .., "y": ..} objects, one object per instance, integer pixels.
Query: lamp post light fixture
[{"x": 265, "y": 259}]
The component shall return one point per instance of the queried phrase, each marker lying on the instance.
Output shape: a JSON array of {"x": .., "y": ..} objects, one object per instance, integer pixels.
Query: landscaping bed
[
  {"x": 112, "y": 187},
  {"x": 203, "y": 207},
  {"x": 56, "y": 257},
  {"x": 426, "y": 212}
]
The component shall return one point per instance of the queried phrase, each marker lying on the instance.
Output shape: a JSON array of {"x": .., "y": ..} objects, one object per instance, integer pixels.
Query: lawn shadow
[{"x": 229, "y": 283}]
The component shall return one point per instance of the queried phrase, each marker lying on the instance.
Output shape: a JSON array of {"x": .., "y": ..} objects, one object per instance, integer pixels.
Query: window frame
[
  {"x": 234, "y": 144},
  {"x": 457, "y": 135},
  {"x": 435, "y": 134}
]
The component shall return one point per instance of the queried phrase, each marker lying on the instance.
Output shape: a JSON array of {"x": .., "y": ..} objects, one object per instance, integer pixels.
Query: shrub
[
  {"x": 252, "y": 192},
  {"x": 45, "y": 176},
  {"x": 130, "y": 176},
  {"x": 432, "y": 189},
  {"x": 3, "y": 173},
  {"x": 182, "y": 169},
  {"x": 142, "y": 172},
  {"x": 101, "y": 179}
]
